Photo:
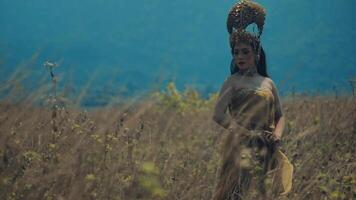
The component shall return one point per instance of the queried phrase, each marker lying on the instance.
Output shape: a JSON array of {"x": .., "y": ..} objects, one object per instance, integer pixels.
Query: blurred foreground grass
[{"x": 163, "y": 147}]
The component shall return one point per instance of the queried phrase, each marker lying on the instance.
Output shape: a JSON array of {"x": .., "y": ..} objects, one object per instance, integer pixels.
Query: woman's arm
[
  {"x": 220, "y": 116},
  {"x": 278, "y": 131},
  {"x": 279, "y": 116}
]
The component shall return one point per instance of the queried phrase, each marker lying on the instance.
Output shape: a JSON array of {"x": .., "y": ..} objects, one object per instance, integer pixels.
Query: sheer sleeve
[
  {"x": 220, "y": 113},
  {"x": 278, "y": 105}
]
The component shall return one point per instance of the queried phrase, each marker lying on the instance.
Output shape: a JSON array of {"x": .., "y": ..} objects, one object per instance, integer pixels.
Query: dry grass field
[{"x": 162, "y": 148}]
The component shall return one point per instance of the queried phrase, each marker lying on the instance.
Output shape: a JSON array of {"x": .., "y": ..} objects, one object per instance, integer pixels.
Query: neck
[{"x": 251, "y": 71}]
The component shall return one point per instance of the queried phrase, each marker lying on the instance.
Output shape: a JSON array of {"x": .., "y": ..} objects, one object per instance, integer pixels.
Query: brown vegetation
[{"x": 163, "y": 149}]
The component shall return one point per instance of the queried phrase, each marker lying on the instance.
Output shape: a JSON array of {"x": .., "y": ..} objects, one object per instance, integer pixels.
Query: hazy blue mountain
[{"x": 132, "y": 44}]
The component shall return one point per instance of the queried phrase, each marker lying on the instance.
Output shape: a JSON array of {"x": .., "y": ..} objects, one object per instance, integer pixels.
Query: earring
[{"x": 257, "y": 59}]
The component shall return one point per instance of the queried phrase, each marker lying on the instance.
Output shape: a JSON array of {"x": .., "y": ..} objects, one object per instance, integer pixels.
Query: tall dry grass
[
  {"x": 161, "y": 148},
  {"x": 147, "y": 151}
]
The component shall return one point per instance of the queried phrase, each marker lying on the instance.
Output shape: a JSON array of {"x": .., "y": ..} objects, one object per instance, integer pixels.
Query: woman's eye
[{"x": 245, "y": 52}]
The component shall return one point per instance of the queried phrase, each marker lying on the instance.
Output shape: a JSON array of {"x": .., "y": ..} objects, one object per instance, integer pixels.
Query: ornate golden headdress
[{"x": 240, "y": 16}]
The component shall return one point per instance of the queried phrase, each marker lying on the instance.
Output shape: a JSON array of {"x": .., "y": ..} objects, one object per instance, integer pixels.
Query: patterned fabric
[
  {"x": 241, "y": 99},
  {"x": 246, "y": 161},
  {"x": 253, "y": 108}
]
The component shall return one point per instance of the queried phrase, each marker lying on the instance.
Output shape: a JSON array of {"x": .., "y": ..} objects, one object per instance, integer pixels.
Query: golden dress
[{"x": 248, "y": 158}]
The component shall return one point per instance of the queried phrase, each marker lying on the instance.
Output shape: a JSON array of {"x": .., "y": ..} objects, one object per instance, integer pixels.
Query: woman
[{"x": 255, "y": 119}]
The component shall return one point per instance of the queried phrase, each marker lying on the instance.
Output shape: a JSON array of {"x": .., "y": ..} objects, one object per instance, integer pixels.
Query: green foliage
[
  {"x": 189, "y": 100},
  {"x": 149, "y": 180}
]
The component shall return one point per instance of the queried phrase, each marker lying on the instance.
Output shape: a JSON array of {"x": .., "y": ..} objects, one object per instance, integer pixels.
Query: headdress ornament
[
  {"x": 245, "y": 13},
  {"x": 241, "y": 15}
]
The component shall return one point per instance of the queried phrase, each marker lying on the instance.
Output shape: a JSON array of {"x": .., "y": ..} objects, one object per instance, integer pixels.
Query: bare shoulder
[
  {"x": 270, "y": 82},
  {"x": 226, "y": 84},
  {"x": 265, "y": 82},
  {"x": 228, "y": 80},
  {"x": 271, "y": 85}
]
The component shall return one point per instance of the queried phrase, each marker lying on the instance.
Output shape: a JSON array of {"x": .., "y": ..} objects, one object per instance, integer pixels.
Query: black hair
[{"x": 261, "y": 65}]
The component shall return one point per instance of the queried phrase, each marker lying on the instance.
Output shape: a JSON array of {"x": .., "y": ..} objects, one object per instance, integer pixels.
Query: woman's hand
[{"x": 271, "y": 138}]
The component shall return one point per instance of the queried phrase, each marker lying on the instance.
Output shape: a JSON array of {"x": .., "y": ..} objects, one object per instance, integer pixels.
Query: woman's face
[{"x": 244, "y": 56}]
